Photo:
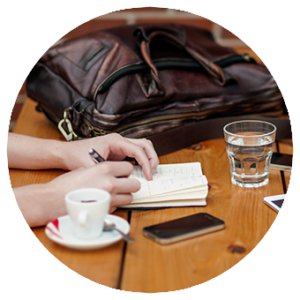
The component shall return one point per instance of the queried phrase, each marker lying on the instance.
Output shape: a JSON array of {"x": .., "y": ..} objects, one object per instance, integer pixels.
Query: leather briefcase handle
[{"x": 156, "y": 88}]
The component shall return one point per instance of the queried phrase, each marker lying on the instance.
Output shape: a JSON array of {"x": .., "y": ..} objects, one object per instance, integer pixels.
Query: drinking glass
[{"x": 249, "y": 146}]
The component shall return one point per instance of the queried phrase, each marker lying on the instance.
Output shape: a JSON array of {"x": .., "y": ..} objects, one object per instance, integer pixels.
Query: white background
[{"x": 29, "y": 28}]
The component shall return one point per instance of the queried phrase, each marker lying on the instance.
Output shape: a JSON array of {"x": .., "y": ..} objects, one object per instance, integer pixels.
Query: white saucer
[{"x": 61, "y": 232}]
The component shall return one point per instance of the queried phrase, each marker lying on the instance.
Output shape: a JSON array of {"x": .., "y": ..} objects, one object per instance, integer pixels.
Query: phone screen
[
  {"x": 278, "y": 202},
  {"x": 182, "y": 226},
  {"x": 281, "y": 161},
  {"x": 275, "y": 202}
]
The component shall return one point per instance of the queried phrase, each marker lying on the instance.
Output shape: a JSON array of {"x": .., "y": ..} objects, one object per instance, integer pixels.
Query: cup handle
[{"x": 82, "y": 217}]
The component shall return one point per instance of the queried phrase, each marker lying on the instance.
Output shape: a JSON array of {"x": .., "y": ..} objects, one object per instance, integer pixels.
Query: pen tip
[{"x": 91, "y": 151}]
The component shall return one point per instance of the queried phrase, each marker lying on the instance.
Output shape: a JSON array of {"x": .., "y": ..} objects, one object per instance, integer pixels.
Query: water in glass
[{"x": 249, "y": 163}]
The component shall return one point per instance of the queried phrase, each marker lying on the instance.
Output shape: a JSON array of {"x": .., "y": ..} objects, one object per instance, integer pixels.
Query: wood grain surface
[
  {"x": 145, "y": 266},
  {"x": 150, "y": 267}
]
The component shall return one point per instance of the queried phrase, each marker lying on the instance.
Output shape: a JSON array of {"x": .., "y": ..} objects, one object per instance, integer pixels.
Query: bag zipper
[
  {"x": 99, "y": 132},
  {"x": 163, "y": 65}
]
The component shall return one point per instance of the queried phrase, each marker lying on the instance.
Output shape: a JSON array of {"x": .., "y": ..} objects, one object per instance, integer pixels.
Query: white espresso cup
[{"x": 88, "y": 209}]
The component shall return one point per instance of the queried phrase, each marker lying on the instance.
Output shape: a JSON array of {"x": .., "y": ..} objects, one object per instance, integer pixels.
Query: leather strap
[
  {"x": 185, "y": 136},
  {"x": 156, "y": 87}
]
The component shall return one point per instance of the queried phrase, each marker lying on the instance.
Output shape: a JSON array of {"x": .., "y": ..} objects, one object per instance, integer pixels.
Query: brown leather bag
[{"x": 142, "y": 80}]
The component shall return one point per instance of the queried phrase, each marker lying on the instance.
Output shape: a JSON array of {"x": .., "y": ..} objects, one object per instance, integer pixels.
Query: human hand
[
  {"x": 109, "y": 176},
  {"x": 111, "y": 147}
]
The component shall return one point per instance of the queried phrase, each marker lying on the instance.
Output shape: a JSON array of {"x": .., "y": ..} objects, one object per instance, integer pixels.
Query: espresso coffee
[{"x": 88, "y": 201}]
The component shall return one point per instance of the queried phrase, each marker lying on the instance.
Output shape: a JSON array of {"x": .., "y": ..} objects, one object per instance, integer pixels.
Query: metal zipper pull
[
  {"x": 246, "y": 57},
  {"x": 65, "y": 121}
]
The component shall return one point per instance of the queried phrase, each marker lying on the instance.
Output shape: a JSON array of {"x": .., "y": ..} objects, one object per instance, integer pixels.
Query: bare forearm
[
  {"x": 26, "y": 152},
  {"x": 42, "y": 203},
  {"x": 39, "y": 204}
]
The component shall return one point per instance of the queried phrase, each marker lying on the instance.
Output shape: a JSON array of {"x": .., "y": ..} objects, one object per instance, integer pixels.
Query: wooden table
[{"x": 144, "y": 266}]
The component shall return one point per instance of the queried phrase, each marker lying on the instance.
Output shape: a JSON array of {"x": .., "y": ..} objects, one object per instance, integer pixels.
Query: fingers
[
  {"x": 113, "y": 177},
  {"x": 116, "y": 169},
  {"x": 147, "y": 146},
  {"x": 119, "y": 200},
  {"x": 139, "y": 154},
  {"x": 122, "y": 185},
  {"x": 140, "y": 149},
  {"x": 120, "y": 190}
]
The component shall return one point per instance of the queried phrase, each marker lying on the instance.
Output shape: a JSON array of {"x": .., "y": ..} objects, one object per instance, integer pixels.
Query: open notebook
[{"x": 172, "y": 185}]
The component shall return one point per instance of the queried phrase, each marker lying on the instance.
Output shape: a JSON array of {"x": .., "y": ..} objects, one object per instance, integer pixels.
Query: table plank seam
[
  {"x": 119, "y": 283},
  {"x": 281, "y": 172}
]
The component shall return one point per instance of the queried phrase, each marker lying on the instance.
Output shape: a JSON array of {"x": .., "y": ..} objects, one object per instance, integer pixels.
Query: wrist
[
  {"x": 39, "y": 203},
  {"x": 60, "y": 153},
  {"x": 52, "y": 202}
]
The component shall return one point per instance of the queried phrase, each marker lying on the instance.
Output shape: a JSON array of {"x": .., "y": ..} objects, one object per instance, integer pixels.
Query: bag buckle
[{"x": 70, "y": 135}]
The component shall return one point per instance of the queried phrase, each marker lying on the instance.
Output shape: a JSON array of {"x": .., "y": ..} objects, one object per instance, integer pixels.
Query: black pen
[{"x": 95, "y": 156}]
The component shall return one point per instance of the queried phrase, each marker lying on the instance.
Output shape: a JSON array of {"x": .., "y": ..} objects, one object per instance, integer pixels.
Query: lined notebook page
[
  {"x": 170, "y": 171},
  {"x": 169, "y": 178}
]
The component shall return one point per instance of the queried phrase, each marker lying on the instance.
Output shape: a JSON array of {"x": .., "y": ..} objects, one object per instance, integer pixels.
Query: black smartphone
[
  {"x": 183, "y": 228},
  {"x": 282, "y": 162}
]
